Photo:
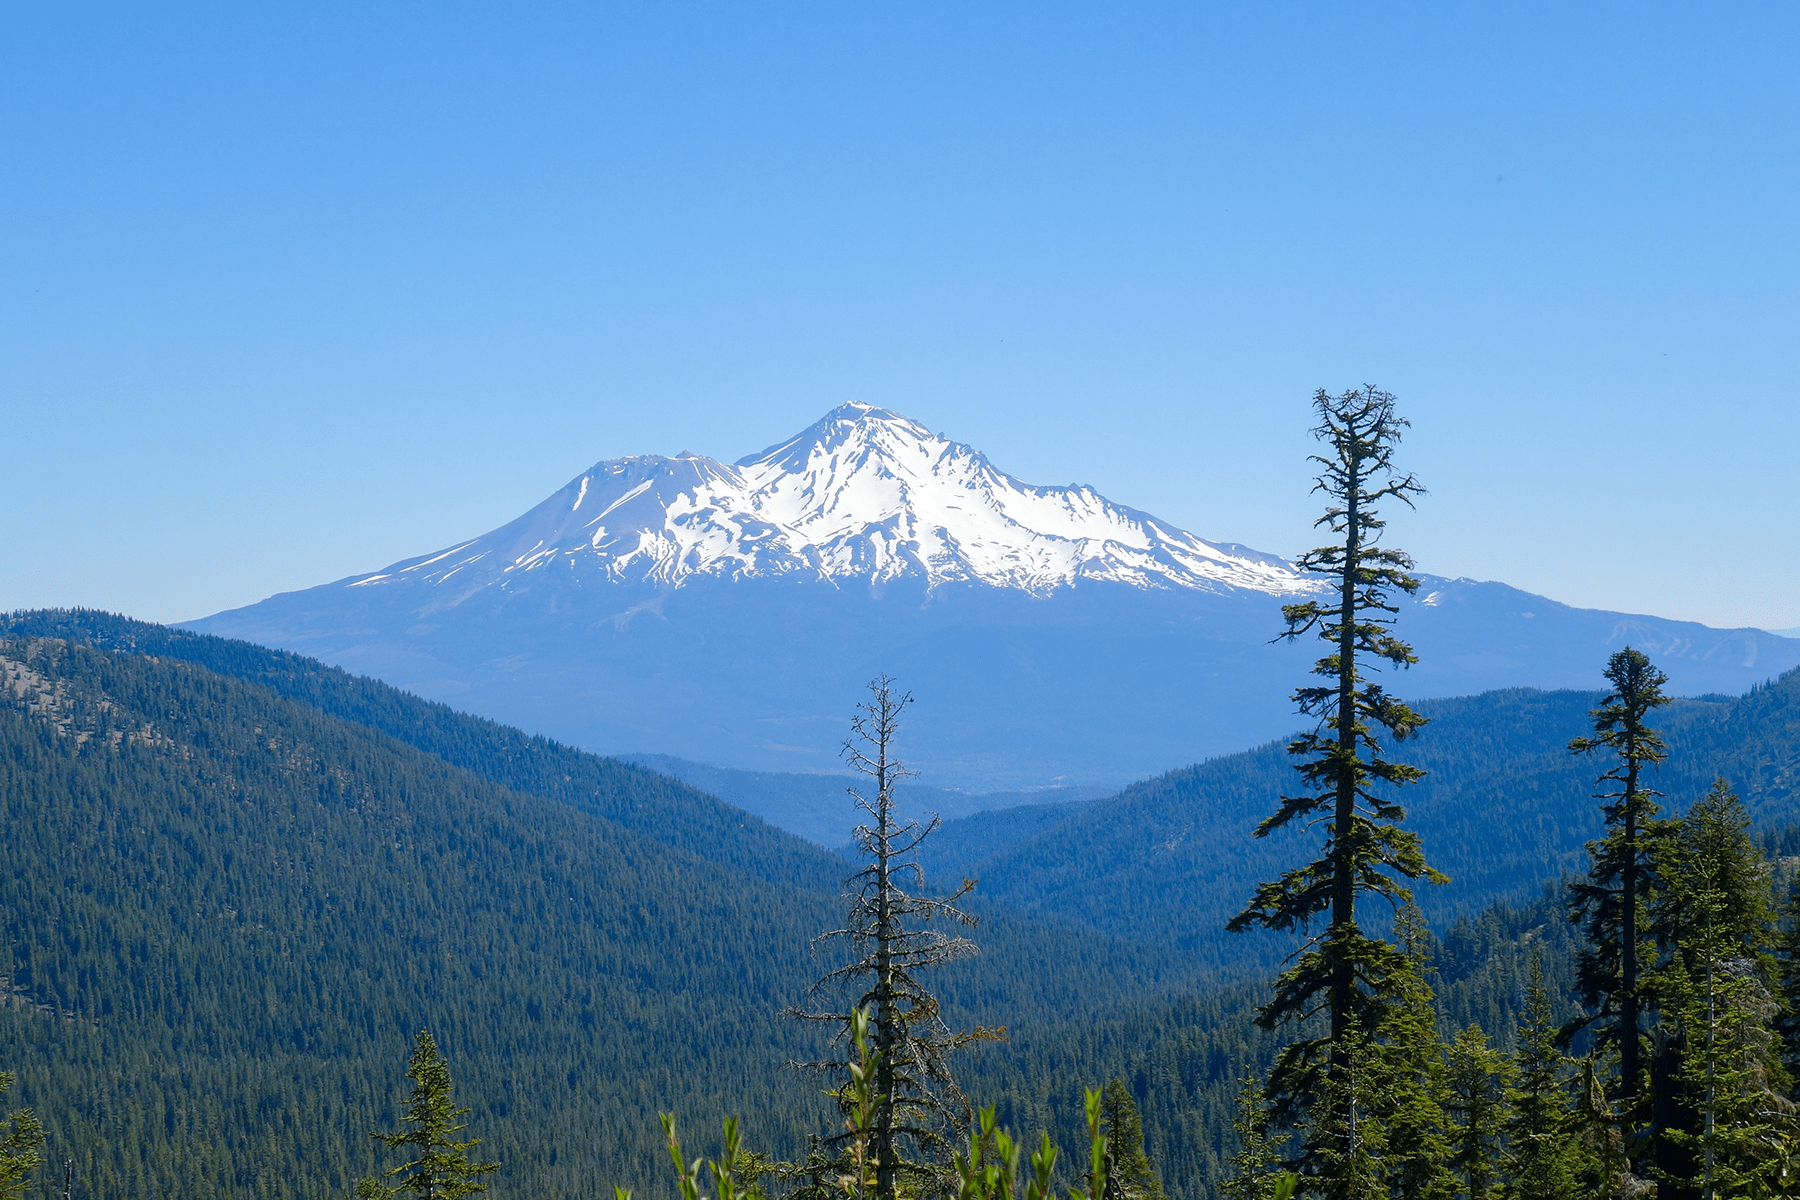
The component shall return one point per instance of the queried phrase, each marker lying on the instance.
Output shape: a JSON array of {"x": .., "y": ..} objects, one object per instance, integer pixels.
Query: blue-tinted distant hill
[
  {"x": 730, "y": 614},
  {"x": 1504, "y": 809},
  {"x": 819, "y": 808}
]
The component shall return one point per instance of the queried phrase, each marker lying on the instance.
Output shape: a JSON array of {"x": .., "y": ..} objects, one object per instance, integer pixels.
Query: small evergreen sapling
[
  {"x": 1129, "y": 1174},
  {"x": 1542, "y": 1155},
  {"x": 1477, "y": 1102},
  {"x": 20, "y": 1145},
  {"x": 1253, "y": 1164},
  {"x": 441, "y": 1169}
]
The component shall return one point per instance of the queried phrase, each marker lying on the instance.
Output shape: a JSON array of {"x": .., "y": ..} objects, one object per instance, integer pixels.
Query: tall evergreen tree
[
  {"x": 1714, "y": 895},
  {"x": 1352, "y": 975},
  {"x": 1129, "y": 1174},
  {"x": 1542, "y": 1156},
  {"x": 20, "y": 1145},
  {"x": 441, "y": 1169},
  {"x": 918, "y": 1106},
  {"x": 1611, "y": 900},
  {"x": 1744, "y": 1134}
]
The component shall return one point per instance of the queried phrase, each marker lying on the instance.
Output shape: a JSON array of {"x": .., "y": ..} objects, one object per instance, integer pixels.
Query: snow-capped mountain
[
  {"x": 731, "y": 613},
  {"x": 863, "y": 494}
]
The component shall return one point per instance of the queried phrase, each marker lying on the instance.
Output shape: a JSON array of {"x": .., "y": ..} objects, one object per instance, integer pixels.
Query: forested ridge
[
  {"x": 655, "y": 806},
  {"x": 1171, "y": 857},
  {"x": 222, "y": 905},
  {"x": 227, "y": 911},
  {"x": 237, "y": 882}
]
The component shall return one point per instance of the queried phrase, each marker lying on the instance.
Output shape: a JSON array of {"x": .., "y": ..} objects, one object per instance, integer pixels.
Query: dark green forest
[
  {"x": 1172, "y": 857},
  {"x": 239, "y": 882},
  {"x": 227, "y": 912}
]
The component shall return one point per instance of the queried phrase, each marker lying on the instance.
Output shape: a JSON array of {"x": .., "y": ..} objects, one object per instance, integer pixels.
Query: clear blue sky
[{"x": 288, "y": 292}]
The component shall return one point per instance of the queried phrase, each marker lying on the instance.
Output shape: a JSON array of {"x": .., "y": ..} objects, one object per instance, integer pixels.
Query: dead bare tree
[{"x": 918, "y": 1106}]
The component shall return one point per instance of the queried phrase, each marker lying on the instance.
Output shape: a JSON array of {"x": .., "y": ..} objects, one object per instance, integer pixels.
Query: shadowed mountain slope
[
  {"x": 227, "y": 910},
  {"x": 652, "y": 805},
  {"x": 1504, "y": 809},
  {"x": 819, "y": 808}
]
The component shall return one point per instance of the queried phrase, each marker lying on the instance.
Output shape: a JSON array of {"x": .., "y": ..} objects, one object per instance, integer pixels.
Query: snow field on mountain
[{"x": 864, "y": 493}]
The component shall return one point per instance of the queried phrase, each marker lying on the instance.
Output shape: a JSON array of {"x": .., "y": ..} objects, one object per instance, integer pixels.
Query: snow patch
[
  {"x": 633, "y": 494},
  {"x": 864, "y": 493},
  {"x": 441, "y": 557}
]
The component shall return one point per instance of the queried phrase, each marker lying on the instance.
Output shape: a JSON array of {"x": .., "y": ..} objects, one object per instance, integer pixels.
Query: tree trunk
[
  {"x": 887, "y": 1021},
  {"x": 1343, "y": 883},
  {"x": 1628, "y": 964}
]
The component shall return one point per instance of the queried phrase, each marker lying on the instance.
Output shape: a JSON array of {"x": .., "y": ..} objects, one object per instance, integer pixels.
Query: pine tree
[
  {"x": 1729, "y": 1123},
  {"x": 1346, "y": 1148},
  {"x": 1542, "y": 1156},
  {"x": 1729, "y": 1068},
  {"x": 1478, "y": 1103},
  {"x": 1254, "y": 1175},
  {"x": 1351, "y": 975},
  {"x": 1715, "y": 886},
  {"x": 1129, "y": 1175},
  {"x": 441, "y": 1169},
  {"x": 1620, "y": 872},
  {"x": 20, "y": 1146},
  {"x": 1786, "y": 942},
  {"x": 1406, "y": 1077},
  {"x": 1604, "y": 1171},
  {"x": 918, "y": 1107}
]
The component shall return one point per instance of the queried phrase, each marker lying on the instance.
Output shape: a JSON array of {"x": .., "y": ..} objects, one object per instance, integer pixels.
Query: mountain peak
[
  {"x": 864, "y": 492},
  {"x": 850, "y": 422}
]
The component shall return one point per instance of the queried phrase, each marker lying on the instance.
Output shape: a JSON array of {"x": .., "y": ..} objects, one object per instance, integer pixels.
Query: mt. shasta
[
  {"x": 730, "y": 613},
  {"x": 863, "y": 495}
]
